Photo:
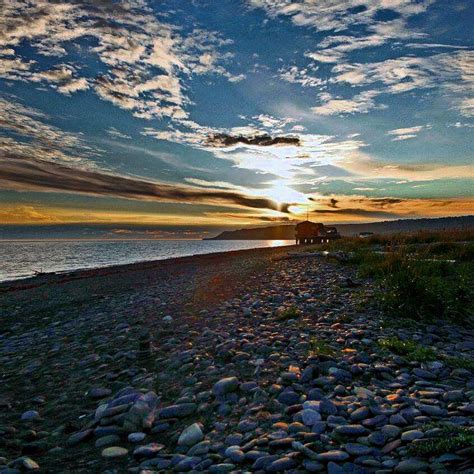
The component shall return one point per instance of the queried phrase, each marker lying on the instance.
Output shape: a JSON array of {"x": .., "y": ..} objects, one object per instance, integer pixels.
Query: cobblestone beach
[{"x": 238, "y": 362}]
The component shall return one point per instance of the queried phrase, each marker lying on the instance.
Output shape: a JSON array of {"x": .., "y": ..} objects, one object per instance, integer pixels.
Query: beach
[{"x": 237, "y": 361}]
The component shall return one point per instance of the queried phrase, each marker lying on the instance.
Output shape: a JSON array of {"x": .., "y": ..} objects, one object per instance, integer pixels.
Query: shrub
[{"x": 409, "y": 349}]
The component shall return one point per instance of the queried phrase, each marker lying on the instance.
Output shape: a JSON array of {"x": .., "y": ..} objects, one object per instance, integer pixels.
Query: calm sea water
[{"x": 21, "y": 259}]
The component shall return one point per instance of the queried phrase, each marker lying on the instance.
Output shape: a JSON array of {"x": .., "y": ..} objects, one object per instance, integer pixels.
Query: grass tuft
[
  {"x": 409, "y": 349},
  {"x": 318, "y": 347},
  {"x": 450, "y": 439},
  {"x": 459, "y": 362},
  {"x": 289, "y": 313}
]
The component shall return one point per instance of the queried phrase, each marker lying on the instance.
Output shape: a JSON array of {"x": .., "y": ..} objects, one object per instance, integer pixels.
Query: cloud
[
  {"x": 114, "y": 133},
  {"x": 326, "y": 15},
  {"x": 466, "y": 107},
  {"x": 360, "y": 103},
  {"x": 365, "y": 23},
  {"x": 300, "y": 76},
  {"x": 364, "y": 167},
  {"x": 407, "y": 133},
  {"x": 350, "y": 208},
  {"x": 21, "y": 173},
  {"x": 144, "y": 60},
  {"x": 29, "y": 134},
  {"x": 452, "y": 73},
  {"x": 225, "y": 140}
]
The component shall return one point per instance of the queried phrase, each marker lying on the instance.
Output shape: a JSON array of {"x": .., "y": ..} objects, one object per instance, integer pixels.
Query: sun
[{"x": 282, "y": 192}]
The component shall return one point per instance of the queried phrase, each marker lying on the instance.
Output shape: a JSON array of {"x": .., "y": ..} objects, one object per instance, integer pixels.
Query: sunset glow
[{"x": 184, "y": 118}]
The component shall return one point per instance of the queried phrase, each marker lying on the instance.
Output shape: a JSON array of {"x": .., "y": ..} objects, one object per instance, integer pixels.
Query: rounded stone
[
  {"x": 310, "y": 417},
  {"x": 107, "y": 441},
  {"x": 136, "y": 437},
  {"x": 114, "y": 452},
  {"x": 191, "y": 435},
  {"x": 411, "y": 435},
  {"x": 30, "y": 415},
  {"x": 225, "y": 385}
]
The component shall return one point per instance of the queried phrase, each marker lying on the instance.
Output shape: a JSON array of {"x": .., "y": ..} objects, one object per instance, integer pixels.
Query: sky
[{"x": 197, "y": 115}]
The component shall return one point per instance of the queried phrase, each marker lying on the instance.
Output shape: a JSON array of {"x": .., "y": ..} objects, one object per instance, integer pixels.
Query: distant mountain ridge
[{"x": 287, "y": 232}]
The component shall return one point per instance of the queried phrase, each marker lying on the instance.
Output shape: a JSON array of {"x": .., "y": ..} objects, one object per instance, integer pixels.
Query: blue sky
[{"x": 211, "y": 114}]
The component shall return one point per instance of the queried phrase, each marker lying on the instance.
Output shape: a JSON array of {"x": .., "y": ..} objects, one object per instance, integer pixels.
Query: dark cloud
[
  {"x": 29, "y": 174},
  {"x": 275, "y": 219},
  {"x": 226, "y": 140},
  {"x": 354, "y": 212},
  {"x": 382, "y": 202}
]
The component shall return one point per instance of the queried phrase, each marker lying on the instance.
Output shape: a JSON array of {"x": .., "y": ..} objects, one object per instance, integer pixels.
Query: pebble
[
  {"x": 412, "y": 465},
  {"x": 114, "y": 452},
  {"x": 30, "y": 415},
  {"x": 225, "y": 386},
  {"x": 136, "y": 437},
  {"x": 191, "y": 435}
]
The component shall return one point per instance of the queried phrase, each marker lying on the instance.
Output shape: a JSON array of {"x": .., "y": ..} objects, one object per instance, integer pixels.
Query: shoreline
[{"x": 96, "y": 271}]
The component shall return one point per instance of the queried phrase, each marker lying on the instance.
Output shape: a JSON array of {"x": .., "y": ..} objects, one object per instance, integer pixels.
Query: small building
[{"x": 307, "y": 232}]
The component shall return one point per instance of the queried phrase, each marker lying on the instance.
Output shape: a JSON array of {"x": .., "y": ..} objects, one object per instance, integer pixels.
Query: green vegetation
[
  {"x": 449, "y": 439},
  {"x": 417, "y": 353},
  {"x": 426, "y": 276},
  {"x": 459, "y": 362},
  {"x": 319, "y": 347},
  {"x": 423, "y": 290},
  {"x": 289, "y": 313},
  {"x": 409, "y": 349}
]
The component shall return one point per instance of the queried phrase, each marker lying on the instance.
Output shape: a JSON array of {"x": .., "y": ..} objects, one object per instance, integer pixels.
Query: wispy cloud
[
  {"x": 408, "y": 132},
  {"x": 114, "y": 133},
  {"x": 360, "y": 103}
]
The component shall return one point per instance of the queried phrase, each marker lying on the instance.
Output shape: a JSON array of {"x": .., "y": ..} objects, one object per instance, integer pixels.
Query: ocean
[{"x": 21, "y": 259}]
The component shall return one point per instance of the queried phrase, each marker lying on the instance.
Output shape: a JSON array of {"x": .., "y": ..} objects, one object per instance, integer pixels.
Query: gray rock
[
  {"x": 187, "y": 464},
  {"x": 411, "y": 435},
  {"x": 114, "y": 452},
  {"x": 78, "y": 437},
  {"x": 412, "y": 465},
  {"x": 178, "y": 411},
  {"x": 289, "y": 398},
  {"x": 282, "y": 464},
  {"x": 148, "y": 451},
  {"x": 136, "y": 437},
  {"x": 225, "y": 386},
  {"x": 432, "y": 410},
  {"x": 335, "y": 455},
  {"x": 191, "y": 436},
  {"x": 107, "y": 441},
  {"x": 98, "y": 392},
  {"x": 222, "y": 467},
  {"x": 26, "y": 464},
  {"x": 235, "y": 454},
  {"x": 310, "y": 417},
  {"x": 360, "y": 414},
  {"x": 391, "y": 431},
  {"x": 358, "y": 449},
  {"x": 351, "y": 430},
  {"x": 30, "y": 415},
  {"x": 377, "y": 438}
]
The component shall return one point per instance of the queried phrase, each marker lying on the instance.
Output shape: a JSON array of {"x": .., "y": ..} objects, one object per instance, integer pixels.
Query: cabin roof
[{"x": 309, "y": 223}]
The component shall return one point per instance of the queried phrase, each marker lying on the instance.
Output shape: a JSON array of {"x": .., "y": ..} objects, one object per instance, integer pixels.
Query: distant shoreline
[{"x": 54, "y": 278}]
